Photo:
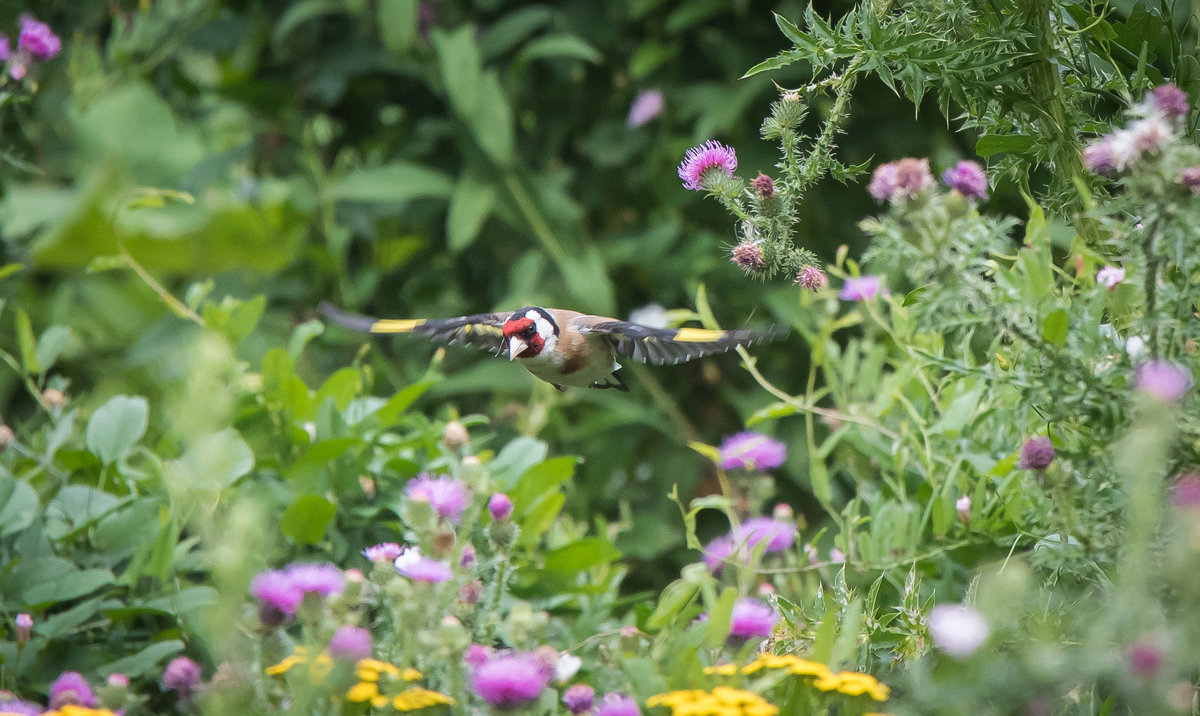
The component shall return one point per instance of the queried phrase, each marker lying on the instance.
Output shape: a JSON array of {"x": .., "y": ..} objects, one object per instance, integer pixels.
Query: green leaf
[
  {"x": 50, "y": 346},
  {"x": 540, "y": 479},
  {"x": 218, "y": 459},
  {"x": 394, "y": 182},
  {"x": 512, "y": 27},
  {"x": 116, "y": 427},
  {"x": 306, "y": 519},
  {"x": 671, "y": 602},
  {"x": 559, "y": 45},
  {"x": 301, "y": 335},
  {"x": 990, "y": 144},
  {"x": 26, "y": 343},
  {"x": 475, "y": 95},
  {"x": 18, "y": 505},
  {"x": 470, "y": 205},
  {"x": 540, "y": 518},
  {"x": 582, "y": 554},
  {"x": 144, "y": 662},
  {"x": 783, "y": 59},
  {"x": 9, "y": 269},
  {"x": 514, "y": 459},
  {"x": 1054, "y": 327},
  {"x": 301, "y": 12},
  {"x": 401, "y": 401},
  {"x": 720, "y": 616},
  {"x": 398, "y": 24},
  {"x": 61, "y": 585},
  {"x": 76, "y": 506}
]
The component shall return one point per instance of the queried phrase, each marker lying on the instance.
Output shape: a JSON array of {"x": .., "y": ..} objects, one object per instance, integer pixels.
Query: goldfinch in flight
[{"x": 564, "y": 348}]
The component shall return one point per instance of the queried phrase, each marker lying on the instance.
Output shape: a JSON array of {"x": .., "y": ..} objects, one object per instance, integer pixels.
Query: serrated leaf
[
  {"x": 783, "y": 59},
  {"x": 991, "y": 144}
]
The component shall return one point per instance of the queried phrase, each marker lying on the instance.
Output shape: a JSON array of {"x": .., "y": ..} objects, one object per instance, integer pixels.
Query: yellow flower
[
  {"x": 418, "y": 698},
  {"x": 853, "y": 683},
  {"x": 362, "y": 691},
  {"x": 73, "y": 710},
  {"x": 283, "y": 666},
  {"x": 379, "y": 666},
  {"x": 410, "y": 674},
  {"x": 722, "y": 701},
  {"x": 722, "y": 669}
]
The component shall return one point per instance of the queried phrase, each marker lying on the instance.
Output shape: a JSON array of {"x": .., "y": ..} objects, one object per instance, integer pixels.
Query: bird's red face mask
[{"x": 523, "y": 339}]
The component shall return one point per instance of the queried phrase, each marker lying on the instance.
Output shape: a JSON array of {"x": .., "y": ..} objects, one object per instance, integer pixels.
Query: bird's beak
[{"x": 516, "y": 346}]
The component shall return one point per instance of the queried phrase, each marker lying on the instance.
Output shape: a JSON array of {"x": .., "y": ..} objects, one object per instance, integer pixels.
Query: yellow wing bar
[
  {"x": 698, "y": 335},
  {"x": 396, "y": 325}
]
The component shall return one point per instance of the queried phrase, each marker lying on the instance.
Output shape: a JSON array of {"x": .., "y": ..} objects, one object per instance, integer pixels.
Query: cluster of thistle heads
[{"x": 1157, "y": 124}]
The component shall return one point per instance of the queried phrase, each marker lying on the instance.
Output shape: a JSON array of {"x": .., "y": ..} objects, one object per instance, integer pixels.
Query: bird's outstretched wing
[
  {"x": 668, "y": 345},
  {"x": 482, "y": 330}
]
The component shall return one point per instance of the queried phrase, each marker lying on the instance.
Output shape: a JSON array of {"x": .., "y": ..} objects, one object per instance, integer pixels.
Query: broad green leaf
[
  {"x": 76, "y": 506},
  {"x": 512, "y": 27},
  {"x": 398, "y": 24},
  {"x": 394, "y": 182},
  {"x": 1054, "y": 327},
  {"x": 559, "y": 45},
  {"x": 475, "y": 95},
  {"x": 50, "y": 346},
  {"x": 540, "y": 518},
  {"x": 18, "y": 505},
  {"x": 401, "y": 401},
  {"x": 990, "y": 144},
  {"x": 720, "y": 615},
  {"x": 9, "y": 269},
  {"x": 218, "y": 459},
  {"x": 581, "y": 555},
  {"x": 301, "y": 12},
  {"x": 301, "y": 335},
  {"x": 541, "y": 478},
  {"x": 671, "y": 601},
  {"x": 116, "y": 427},
  {"x": 61, "y": 624},
  {"x": 306, "y": 519},
  {"x": 514, "y": 459},
  {"x": 147, "y": 661},
  {"x": 469, "y": 207},
  {"x": 64, "y": 585}
]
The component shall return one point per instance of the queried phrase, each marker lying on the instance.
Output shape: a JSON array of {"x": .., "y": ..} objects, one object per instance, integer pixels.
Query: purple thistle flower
[
  {"x": 752, "y": 618},
  {"x": 812, "y": 278},
  {"x": 967, "y": 178},
  {"x": 182, "y": 675},
  {"x": 901, "y": 180},
  {"x": 1166, "y": 380},
  {"x": 383, "y": 552},
  {"x": 500, "y": 506},
  {"x": 277, "y": 592},
  {"x": 424, "y": 569},
  {"x": 1036, "y": 454},
  {"x": 1145, "y": 658},
  {"x": 1190, "y": 178},
  {"x": 717, "y": 552},
  {"x": 618, "y": 705},
  {"x": 752, "y": 451},
  {"x": 38, "y": 39},
  {"x": 645, "y": 107},
  {"x": 5, "y": 48},
  {"x": 1185, "y": 493},
  {"x": 467, "y": 559},
  {"x": 748, "y": 254},
  {"x": 1150, "y": 135},
  {"x": 1099, "y": 157},
  {"x": 510, "y": 680},
  {"x": 24, "y": 627},
  {"x": 1170, "y": 101},
  {"x": 1110, "y": 276},
  {"x": 448, "y": 497},
  {"x": 71, "y": 688},
  {"x": 860, "y": 288},
  {"x": 477, "y": 654},
  {"x": 579, "y": 698},
  {"x": 322, "y": 579},
  {"x": 778, "y": 535},
  {"x": 19, "y": 707},
  {"x": 708, "y": 157},
  {"x": 764, "y": 186},
  {"x": 350, "y": 643}
]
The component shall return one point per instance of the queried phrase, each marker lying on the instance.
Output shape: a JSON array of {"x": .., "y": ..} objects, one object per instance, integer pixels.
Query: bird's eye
[{"x": 530, "y": 331}]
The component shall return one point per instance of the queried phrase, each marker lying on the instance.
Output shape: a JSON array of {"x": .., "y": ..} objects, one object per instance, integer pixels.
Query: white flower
[
  {"x": 652, "y": 314},
  {"x": 566, "y": 667},
  {"x": 1110, "y": 276},
  {"x": 957, "y": 629},
  {"x": 407, "y": 558},
  {"x": 1151, "y": 134},
  {"x": 963, "y": 507},
  {"x": 1135, "y": 347}
]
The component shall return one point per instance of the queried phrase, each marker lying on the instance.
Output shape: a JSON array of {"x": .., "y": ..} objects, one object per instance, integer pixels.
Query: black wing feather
[
  {"x": 482, "y": 330},
  {"x": 659, "y": 346}
]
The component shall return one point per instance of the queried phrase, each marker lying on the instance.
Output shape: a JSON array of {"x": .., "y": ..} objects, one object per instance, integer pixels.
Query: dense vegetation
[{"x": 965, "y": 479}]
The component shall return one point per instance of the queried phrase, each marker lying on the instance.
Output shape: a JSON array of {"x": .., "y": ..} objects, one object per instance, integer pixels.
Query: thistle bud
[{"x": 455, "y": 435}]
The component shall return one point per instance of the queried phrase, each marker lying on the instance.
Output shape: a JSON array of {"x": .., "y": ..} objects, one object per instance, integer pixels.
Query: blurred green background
[{"x": 427, "y": 159}]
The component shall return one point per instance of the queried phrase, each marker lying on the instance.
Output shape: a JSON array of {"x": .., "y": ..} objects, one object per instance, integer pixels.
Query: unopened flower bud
[
  {"x": 749, "y": 256},
  {"x": 24, "y": 627},
  {"x": 963, "y": 507},
  {"x": 54, "y": 398},
  {"x": 1036, "y": 454},
  {"x": 350, "y": 643},
  {"x": 783, "y": 512},
  {"x": 468, "y": 558},
  {"x": 182, "y": 675},
  {"x": 118, "y": 681},
  {"x": 764, "y": 186},
  {"x": 455, "y": 435},
  {"x": 443, "y": 542},
  {"x": 579, "y": 699},
  {"x": 7, "y": 437},
  {"x": 500, "y": 506},
  {"x": 470, "y": 592},
  {"x": 812, "y": 278}
]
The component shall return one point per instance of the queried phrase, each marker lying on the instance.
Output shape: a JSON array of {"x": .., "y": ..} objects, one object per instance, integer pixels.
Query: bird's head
[{"x": 530, "y": 331}]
